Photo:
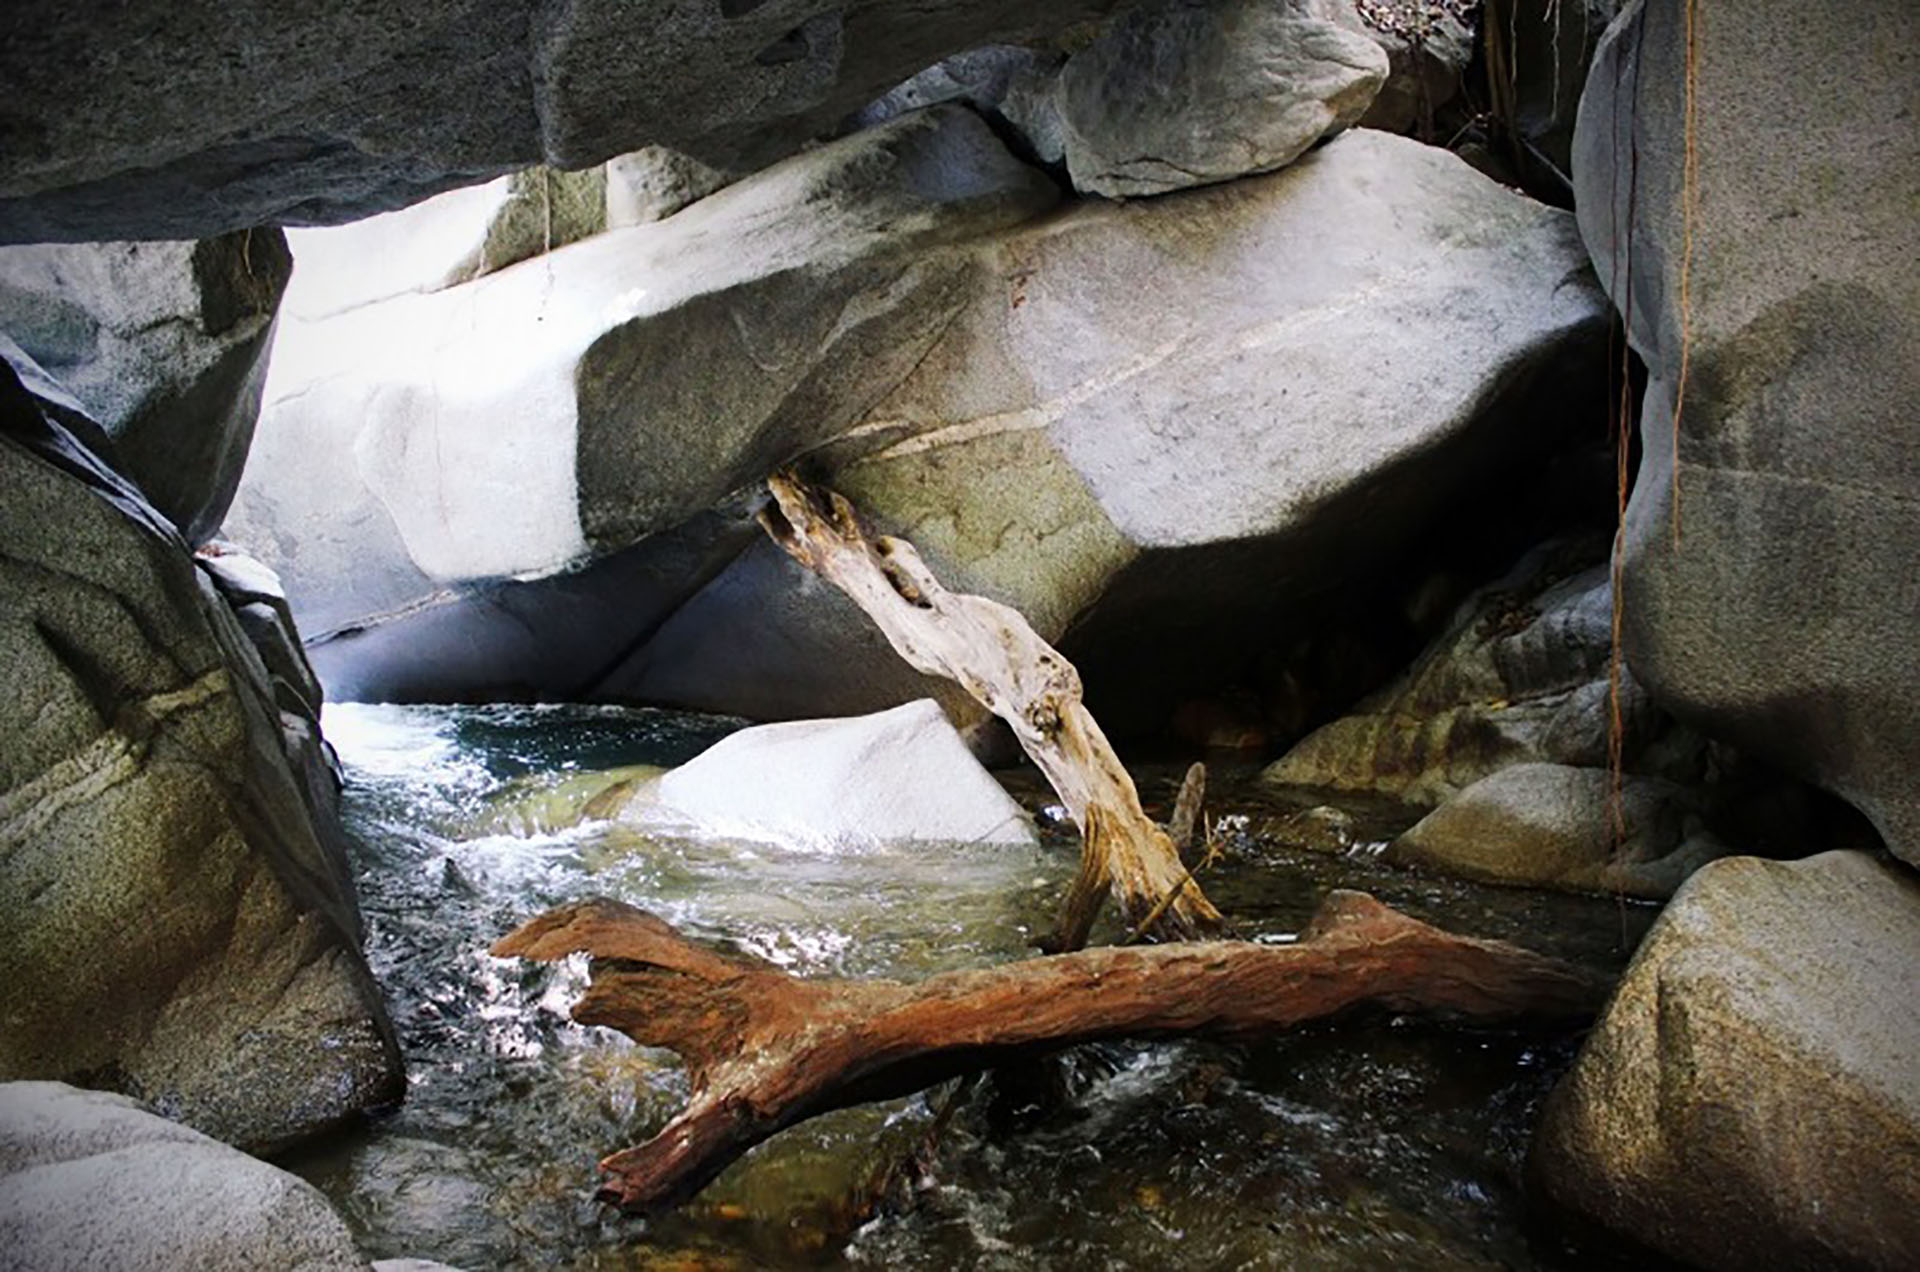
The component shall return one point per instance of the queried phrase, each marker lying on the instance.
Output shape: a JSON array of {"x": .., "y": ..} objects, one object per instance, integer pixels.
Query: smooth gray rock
[
  {"x": 92, "y": 1180},
  {"x": 447, "y": 240},
  {"x": 896, "y": 777},
  {"x": 1770, "y": 594},
  {"x": 1751, "y": 1098},
  {"x": 165, "y": 345},
  {"x": 181, "y": 919},
  {"x": 653, "y": 183},
  {"x": 1106, "y": 467},
  {"x": 1553, "y": 826},
  {"x": 179, "y": 118},
  {"x": 1200, "y": 91}
]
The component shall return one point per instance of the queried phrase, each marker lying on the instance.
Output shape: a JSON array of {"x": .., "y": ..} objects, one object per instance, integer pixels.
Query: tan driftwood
[
  {"x": 765, "y": 1049},
  {"x": 992, "y": 652}
]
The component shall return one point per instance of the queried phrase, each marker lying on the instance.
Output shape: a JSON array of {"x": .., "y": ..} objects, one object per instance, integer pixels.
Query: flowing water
[{"x": 1356, "y": 1144}]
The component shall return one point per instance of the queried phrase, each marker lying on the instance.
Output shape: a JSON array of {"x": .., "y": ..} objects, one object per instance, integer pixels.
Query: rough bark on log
[
  {"x": 990, "y": 651},
  {"x": 765, "y": 1049}
]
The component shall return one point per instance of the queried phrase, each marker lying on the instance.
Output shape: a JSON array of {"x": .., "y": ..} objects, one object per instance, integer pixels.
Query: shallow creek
[{"x": 1359, "y": 1144}]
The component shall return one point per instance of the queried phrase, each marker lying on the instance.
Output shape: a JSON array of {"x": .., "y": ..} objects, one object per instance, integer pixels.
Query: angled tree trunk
[
  {"x": 766, "y": 1049},
  {"x": 992, "y": 652}
]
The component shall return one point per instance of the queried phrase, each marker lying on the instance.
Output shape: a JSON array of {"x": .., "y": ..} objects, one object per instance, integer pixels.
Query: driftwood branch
[
  {"x": 765, "y": 1049},
  {"x": 1183, "y": 827},
  {"x": 990, "y": 650}
]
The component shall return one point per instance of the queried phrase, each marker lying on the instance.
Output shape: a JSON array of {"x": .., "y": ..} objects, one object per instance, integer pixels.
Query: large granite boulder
[
  {"x": 1197, "y": 91},
  {"x": 441, "y": 242},
  {"x": 1116, "y": 471},
  {"x": 509, "y": 426},
  {"x": 1751, "y": 1098},
  {"x": 181, "y": 920},
  {"x": 163, "y": 344},
  {"x": 93, "y": 1180},
  {"x": 1769, "y": 590},
  {"x": 180, "y": 119}
]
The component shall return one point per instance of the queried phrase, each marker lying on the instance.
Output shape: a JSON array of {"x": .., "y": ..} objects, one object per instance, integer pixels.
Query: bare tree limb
[
  {"x": 766, "y": 1049},
  {"x": 990, "y": 650}
]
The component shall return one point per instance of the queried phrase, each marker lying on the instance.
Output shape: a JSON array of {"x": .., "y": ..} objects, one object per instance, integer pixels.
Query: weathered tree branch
[
  {"x": 990, "y": 650},
  {"x": 765, "y": 1049}
]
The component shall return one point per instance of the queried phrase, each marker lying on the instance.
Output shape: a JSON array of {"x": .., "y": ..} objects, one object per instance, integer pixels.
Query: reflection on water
[{"x": 1355, "y": 1144}]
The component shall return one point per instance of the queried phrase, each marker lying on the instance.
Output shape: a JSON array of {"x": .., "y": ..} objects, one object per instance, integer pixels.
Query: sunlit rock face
[
  {"x": 423, "y": 452},
  {"x": 181, "y": 923},
  {"x": 258, "y": 111},
  {"x": 164, "y": 345},
  {"x": 1144, "y": 426},
  {"x": 449, "y": 239},
  {"x": 1768, "y": 583}
]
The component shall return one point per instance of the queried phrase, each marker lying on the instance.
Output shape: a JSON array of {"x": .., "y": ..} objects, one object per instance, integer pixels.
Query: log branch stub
[
  {"x": 765, "y": 1049},
  {"x": 992, "y": 652},
  {"x": 1184, "y": 826}
]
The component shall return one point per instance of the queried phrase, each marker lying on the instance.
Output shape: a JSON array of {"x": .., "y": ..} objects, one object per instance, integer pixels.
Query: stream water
[{"x": 1359, "y": 1144}]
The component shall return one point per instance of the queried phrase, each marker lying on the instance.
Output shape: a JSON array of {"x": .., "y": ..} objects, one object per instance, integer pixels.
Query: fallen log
[
  {"x": 991, "y": 651},
  {"x": 765, "y": 1049}
]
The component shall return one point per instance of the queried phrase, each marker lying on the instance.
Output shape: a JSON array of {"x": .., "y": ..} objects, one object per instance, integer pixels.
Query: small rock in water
[{"x": 897, "y": 776}]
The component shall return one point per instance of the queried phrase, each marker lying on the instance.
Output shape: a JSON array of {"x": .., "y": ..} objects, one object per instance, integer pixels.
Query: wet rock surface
[
  {"x": 1367, "y": 1142},
  {"x": 1557, "y": 826}
]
